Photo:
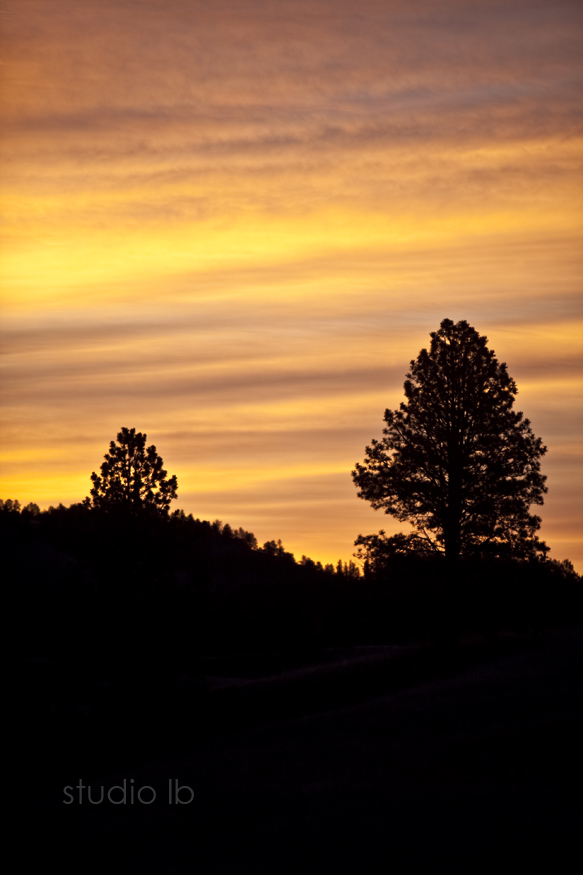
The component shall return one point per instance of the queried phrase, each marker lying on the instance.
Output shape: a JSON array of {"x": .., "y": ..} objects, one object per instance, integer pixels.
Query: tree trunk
[{"x": 452, "y": 532}]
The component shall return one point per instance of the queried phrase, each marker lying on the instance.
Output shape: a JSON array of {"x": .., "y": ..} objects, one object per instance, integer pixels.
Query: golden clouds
[
  {"x": 47, "y": 268},
  {"x": 232, "y": 225}
]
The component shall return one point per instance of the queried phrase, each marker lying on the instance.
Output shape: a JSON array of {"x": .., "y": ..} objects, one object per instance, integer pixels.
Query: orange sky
[{"x": 232, "y": 225}]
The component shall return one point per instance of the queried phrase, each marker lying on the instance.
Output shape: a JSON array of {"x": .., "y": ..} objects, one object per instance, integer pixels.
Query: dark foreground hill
[
  {"x": 138, "y": 652},
  {"x": 451, "y": 761}
]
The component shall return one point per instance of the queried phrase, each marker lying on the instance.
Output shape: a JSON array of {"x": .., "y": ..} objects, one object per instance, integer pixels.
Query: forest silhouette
[{"x": 120, "y": 615}]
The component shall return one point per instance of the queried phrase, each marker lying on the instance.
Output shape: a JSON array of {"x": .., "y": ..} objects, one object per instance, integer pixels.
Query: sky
[{"x": 232, "y": 225}]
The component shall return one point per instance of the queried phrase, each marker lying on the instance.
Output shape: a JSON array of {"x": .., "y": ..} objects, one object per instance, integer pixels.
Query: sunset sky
[{"x": 231, "y": 225}]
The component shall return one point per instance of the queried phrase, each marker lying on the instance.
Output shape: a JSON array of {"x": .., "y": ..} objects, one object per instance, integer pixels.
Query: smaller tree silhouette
[{"x": 132, "y": 478}]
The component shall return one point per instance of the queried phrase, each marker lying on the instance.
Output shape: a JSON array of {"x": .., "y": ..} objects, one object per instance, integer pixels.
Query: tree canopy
[
  {"x": 456, "y": 461},
  {"x": 132, "y": 477}
]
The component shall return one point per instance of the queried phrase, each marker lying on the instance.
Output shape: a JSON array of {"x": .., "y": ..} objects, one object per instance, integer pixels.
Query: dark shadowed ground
[{"x": 460, "y": 763}]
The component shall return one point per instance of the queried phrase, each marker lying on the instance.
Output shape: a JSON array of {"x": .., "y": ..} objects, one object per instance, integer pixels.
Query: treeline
[
  {"x": 173, "y": 588},
  {"x": 80, "y": 568},
  {"x": 111, "y": 620},
  {"x": 108, "y": 616}
]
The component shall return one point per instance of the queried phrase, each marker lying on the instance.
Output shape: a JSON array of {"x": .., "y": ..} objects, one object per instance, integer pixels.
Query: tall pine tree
[{"x": 456, "y": 460}]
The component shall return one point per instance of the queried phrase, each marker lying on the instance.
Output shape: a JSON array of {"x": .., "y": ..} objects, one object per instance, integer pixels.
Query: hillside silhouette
[
  {"x": 128, "y": 638},
  {"x": 103, "y": 608}
]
